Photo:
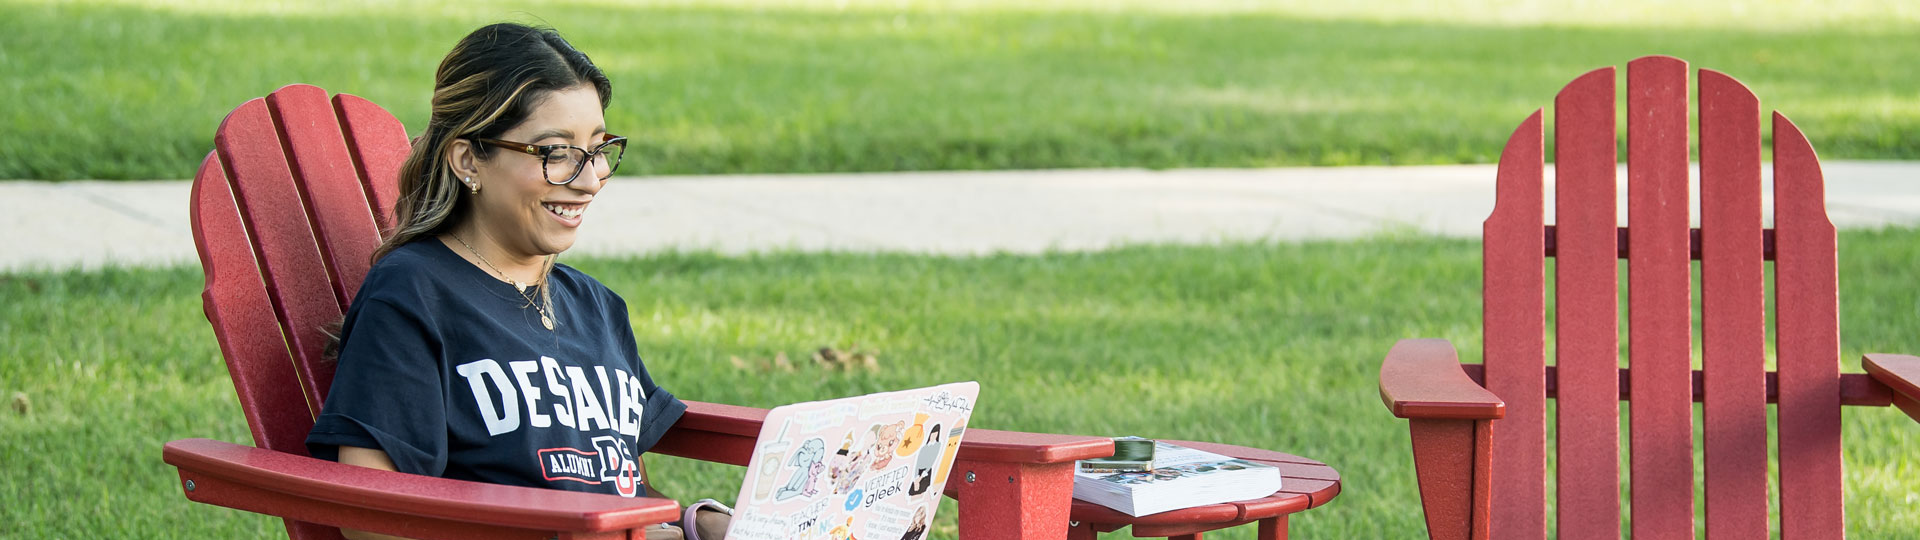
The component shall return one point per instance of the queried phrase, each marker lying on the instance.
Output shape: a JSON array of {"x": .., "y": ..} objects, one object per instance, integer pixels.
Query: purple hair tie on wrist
[{"x": 690, "y": 527}]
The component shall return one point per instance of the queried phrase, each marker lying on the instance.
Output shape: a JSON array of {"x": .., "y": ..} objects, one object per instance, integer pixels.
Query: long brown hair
[{"x": 487, "y": 85}]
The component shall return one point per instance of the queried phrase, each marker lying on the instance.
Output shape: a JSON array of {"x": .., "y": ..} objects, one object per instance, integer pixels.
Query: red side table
[{"x": 1304, "y": 484}]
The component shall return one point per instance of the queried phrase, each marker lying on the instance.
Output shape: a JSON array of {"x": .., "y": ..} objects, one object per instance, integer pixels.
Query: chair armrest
[
  {"x": 1422, "y": 378},
  {"x": 1901, "y": 373},
  {"x": 335, "y": 494},
  {"x": 713, "y": 432},
  {"x": 725, "y": 434},
  {"x": 1033, "y": 448}
]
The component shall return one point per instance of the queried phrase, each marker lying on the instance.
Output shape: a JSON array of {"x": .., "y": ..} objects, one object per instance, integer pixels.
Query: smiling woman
[{"x": 468, "y": 353}]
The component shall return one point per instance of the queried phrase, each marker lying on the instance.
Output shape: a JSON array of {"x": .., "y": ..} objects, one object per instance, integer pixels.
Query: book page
[{"x": 1167, "y": 455}]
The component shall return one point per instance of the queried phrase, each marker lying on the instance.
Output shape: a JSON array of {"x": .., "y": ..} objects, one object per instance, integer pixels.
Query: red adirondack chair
[
  {"x": 1479, "y": 431},
  {"x": 287, "y": 210}
]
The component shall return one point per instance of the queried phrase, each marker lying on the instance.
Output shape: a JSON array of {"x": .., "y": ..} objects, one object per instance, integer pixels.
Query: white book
[{"x": 1183, "y": 478}]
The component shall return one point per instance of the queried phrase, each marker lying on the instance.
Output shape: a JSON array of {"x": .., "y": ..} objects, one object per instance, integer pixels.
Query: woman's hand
[{"x": 711, "y": 525}]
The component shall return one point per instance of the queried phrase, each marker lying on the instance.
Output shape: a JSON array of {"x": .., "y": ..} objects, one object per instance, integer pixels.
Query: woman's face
[{"x": 516, "y": 208}]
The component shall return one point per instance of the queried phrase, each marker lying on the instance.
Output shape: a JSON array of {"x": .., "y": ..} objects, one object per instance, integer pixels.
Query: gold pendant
[{"x": 548, "y": 321}]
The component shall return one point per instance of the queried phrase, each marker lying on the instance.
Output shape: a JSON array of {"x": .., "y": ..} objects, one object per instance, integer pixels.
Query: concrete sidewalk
[{"x": 89, "y": 224}]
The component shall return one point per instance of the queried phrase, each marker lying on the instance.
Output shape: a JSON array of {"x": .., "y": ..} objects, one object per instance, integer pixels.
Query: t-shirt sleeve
[
  {"x": 662, "y": 409},
  {"x": 388, "y": 392}
]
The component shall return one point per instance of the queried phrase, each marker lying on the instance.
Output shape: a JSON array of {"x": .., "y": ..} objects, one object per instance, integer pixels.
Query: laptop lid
[{"x": 867, "y": 467}]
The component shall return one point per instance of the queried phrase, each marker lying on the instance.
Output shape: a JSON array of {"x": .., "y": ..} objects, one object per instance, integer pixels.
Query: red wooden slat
[
  {"x": 236, "y": 304},
  {"x": 335, "y": 203},
  {"x": 297, "y": 281},
  {"x": 1807, "y": 342},
  {"x": 1302, "y": 470},
  {"x": 1733, "y": 328},
  {"x": 249, "y": 333},
  {"x": 1514, "y": 330},
  {"x": 1660, "y": 438},
  {"x": 1586, "y": 314},
  {"x": 1320, "y": 490},
  {"x": 379, "y": 146}
]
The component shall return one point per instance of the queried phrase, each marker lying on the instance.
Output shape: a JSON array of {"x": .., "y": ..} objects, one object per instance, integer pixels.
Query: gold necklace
[{"x": 545, "y": 318}]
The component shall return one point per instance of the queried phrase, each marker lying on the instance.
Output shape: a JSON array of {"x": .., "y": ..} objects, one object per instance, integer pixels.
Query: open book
[{"x": 1182, "y": 478}]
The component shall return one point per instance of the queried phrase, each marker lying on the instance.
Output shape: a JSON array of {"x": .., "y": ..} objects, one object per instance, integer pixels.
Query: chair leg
[{"x": 1273, "y": 528}]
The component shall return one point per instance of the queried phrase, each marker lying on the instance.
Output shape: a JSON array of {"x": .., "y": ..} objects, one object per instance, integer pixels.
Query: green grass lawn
[
  {"x": 1267, "y": 345},
  {"x": 133, "y": 89}
]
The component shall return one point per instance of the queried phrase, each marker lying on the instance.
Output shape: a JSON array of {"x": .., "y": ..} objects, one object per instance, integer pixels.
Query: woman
[{"x": 468, "y": 353}]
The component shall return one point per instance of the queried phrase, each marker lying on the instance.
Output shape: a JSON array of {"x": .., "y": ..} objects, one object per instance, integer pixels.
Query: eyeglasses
[{"x": 561, "y": 163}]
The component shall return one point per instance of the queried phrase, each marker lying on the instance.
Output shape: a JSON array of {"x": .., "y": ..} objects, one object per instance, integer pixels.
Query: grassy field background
[
  {"x": 134, "y": 89},
  {"x": 1266, "y": 345}
]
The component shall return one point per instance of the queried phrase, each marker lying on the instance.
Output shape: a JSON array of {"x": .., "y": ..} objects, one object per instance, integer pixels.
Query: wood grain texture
[
  {"x": 1514, "y": 329},
  {"x": 1660, "y": 318},
  {"x": 1733, "y": 328}
]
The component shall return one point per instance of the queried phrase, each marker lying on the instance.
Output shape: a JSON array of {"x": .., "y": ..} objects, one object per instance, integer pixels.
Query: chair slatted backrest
[
  {"x": 283, "y": 216},
  {"x": 1732, "y": 247}
]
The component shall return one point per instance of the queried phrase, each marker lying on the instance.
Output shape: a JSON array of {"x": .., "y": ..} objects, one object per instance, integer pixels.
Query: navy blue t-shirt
[{"x": 449, "y": 371}]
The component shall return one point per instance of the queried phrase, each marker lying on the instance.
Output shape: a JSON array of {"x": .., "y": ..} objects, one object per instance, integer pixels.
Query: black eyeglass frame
[{"x": 546, "y": 151}]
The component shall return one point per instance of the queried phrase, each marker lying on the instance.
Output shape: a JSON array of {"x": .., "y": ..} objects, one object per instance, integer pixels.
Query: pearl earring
[{"x": 472, "y": 187}]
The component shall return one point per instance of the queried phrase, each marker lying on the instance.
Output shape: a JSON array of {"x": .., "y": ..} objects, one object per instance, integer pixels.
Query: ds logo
[
  {"x": 617, "y": 467},
  {"x": 609, "y": 462}
]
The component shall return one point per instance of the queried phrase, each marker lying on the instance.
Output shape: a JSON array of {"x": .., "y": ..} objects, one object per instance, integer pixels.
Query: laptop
[{"x": 868, "y": 467}]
